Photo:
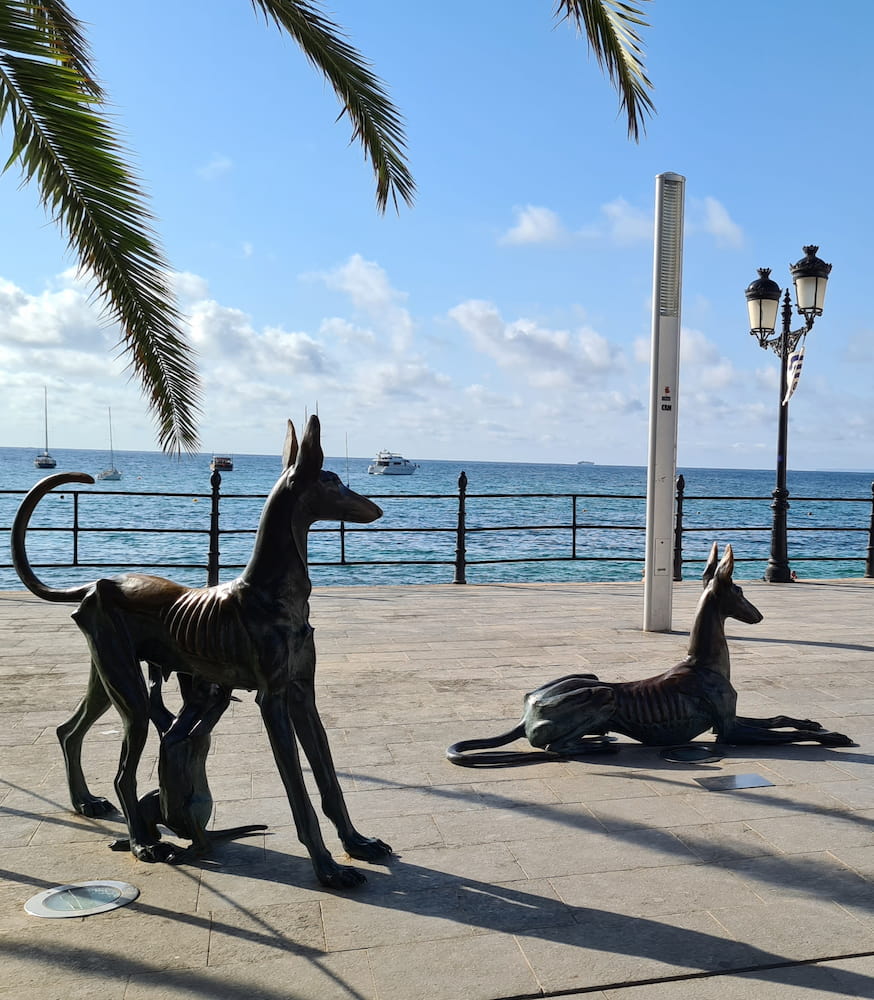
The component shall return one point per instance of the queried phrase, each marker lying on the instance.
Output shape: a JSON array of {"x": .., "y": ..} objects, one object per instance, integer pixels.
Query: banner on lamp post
[{"x": 793, "y": 371}]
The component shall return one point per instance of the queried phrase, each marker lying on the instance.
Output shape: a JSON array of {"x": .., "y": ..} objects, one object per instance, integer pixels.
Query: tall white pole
[{"x": 664, "y": 376}]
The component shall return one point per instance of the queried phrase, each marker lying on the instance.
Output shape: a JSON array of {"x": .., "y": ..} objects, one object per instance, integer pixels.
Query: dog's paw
[
  {"x": 366, "y": 848},
  {"x": 93, "y": 806},
  {"x": 335, "y": 876},
  {"x": 160, "y": 852},
  {"x": 833, "y": 740}
]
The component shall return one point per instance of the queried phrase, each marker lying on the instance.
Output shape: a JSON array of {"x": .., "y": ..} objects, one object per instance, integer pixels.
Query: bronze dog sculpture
[
  {"x": 252, "y": 633},
  {"x": 183, "y": 802},
  {"x": 574, "y": 714}
]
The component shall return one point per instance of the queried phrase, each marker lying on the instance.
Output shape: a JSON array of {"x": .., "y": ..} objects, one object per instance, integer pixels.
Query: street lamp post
[{"x": 810, "y": 276}]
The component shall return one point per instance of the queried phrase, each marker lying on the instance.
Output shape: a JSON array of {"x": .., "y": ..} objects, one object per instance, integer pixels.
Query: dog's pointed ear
[
  {"x": 310, "y": 455},
  {"x": 289, "y": 449},
  {"x": 712, "y": 563},
  {"x": 725, "y": 569}
]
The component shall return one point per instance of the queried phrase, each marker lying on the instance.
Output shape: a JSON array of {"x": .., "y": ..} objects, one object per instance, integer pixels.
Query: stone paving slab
[{"x": 620, "y": 877}]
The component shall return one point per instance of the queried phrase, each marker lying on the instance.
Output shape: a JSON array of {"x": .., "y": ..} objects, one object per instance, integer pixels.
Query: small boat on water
[
  {"x": 111, "y": 473},
  {"x": 585, "y": 463},
  {"x": 222, "y": 463},
  {"x": 389, "y": 463},
  {"x": 44, "y": 460}
]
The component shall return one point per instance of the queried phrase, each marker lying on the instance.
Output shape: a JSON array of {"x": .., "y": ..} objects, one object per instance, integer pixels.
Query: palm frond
[
  {"x": 62, "y": 141},
  {"x": 376, "y": 123},
  {"x": 611, "y": 28},
  {"x": 64, "y": 32}
]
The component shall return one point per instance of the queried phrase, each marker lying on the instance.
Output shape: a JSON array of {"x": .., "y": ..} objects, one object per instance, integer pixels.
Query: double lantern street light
[{"x": 810, "y": 276}]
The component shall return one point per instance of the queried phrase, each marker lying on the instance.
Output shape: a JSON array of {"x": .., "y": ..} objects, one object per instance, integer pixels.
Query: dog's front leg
[
  {"x": 314, "y": 740},
  {"x": 750, "y": 732},
  {"x": 275, "y": 712}
]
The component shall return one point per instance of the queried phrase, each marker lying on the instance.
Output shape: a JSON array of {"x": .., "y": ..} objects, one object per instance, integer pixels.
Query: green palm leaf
[
  {"x": 375, "y": 121},
  {"x": 610, "y": 27},
  {"x": 63, "y": 143}
]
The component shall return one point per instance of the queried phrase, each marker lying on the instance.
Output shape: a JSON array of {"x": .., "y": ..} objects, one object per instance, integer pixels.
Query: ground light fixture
[
  {"x": 81, "y": 899},
  {"x": 810, "y": 276}
]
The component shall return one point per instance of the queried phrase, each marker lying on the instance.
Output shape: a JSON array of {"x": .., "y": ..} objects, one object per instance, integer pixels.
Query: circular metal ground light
[
  {"x": 692, "y": 753},
  {"x": 81, "y": 899}
]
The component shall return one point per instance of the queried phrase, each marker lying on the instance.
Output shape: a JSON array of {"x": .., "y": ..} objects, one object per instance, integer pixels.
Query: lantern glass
[
  {"x": 810, "y": 275},
  {"x": 810, "y": 294},
  {"x": 763, "y": 315}
]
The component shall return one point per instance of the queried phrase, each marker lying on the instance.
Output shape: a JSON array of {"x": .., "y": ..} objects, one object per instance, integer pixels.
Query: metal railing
[{"x": 472, "y": 521}]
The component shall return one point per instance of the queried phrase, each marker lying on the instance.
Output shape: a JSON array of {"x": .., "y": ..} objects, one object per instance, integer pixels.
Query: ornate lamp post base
[{"x": 778, "y": 570}]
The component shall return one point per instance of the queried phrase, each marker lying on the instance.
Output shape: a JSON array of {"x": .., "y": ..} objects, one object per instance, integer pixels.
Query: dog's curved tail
[
  {"x": 458, "y": 752},
  {"x": 19, "y": 552}
]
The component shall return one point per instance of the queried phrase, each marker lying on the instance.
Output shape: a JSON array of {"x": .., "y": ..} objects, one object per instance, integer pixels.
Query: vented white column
[{"x": 664, "y": 394}]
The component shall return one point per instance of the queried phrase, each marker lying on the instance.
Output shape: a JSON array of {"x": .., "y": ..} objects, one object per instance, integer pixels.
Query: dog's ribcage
[
  {"x": 656, "y": 712},
  {"x": 208, "y": 624}
]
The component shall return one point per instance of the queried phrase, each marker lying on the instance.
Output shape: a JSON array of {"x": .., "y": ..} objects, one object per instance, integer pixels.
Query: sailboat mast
[
  {"x": 111, "y": 452},
  {"x": 45, "y": 400}
]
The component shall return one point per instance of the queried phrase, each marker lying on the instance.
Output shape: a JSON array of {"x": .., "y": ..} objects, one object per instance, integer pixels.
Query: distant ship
[
  {"x": 585, "y": 463},
  {"x": 222, "y": 463},
  {"x": 389, "y": 463}
]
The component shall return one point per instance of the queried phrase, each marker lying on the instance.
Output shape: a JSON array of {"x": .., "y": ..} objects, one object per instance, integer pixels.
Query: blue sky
[{"x": 507, "y": 315}]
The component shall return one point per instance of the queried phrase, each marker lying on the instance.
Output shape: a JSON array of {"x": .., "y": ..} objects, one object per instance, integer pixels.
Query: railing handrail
[{"x": 462, "y": 529}]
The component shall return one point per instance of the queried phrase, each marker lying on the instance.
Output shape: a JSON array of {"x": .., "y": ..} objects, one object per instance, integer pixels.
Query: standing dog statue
[
  {"x": 251, "y": 633},
  {"x": 573, "y": 714}
]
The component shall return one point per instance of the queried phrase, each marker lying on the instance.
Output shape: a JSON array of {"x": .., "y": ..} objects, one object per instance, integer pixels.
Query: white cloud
[
  {"x": 61, "y": 317},
  {"x": 627, "y": 224},
  {"x": 534, "y": 224},
  {"x": 696, "y": 349},
  {"x": 720, "y": 225},
  {"x": 391, "y": 380},
  {"x": 702, "y": 365},
  {"x": 189, "y": 287},
  {"x": 347, "y": 333},
  {"x": 642, "y": 350},
  {"x": 620, "y": 224},
  {"x": 218, "y": 166},
  {"x": 369, "y": 289},
  {"x": 547, "y": 358}
]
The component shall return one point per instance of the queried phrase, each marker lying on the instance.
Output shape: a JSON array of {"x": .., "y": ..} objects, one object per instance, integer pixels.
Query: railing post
[
  {"x": 75, "y": 529},
  {"x": 869, "y": 562},
  {"x": 678, "y": 530},
  {"x": 460, "y": 551},
  {"x": 342, "y": 543},
  {"x": 212, "y": 570},
  {"x": 574, "y": 528}
]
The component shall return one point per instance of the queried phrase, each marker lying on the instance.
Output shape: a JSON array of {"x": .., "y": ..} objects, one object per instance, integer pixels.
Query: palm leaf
[
  {"x": 63, "y": 142},
  {"x": 375, "y": 121},
  {"x": 611, "y": 29}
]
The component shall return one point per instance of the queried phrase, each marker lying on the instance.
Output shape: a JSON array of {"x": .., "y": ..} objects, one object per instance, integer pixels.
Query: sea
[{"x": 162, "y": 505}]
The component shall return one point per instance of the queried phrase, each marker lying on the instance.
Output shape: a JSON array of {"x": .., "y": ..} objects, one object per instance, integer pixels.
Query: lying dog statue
[{"x": 574, "y": 714}]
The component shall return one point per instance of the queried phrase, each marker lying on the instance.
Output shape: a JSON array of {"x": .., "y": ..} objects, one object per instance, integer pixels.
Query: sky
[{"x": 507, "y": 316}]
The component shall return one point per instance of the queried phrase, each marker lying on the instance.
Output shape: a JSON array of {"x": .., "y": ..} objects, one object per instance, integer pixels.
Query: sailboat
[
  {"x": 110, "y": 474},
  {"x": 44, "y": 460}
]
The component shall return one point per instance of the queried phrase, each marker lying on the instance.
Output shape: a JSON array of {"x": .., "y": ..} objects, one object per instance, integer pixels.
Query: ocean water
[{"x": 532, "y": 502}]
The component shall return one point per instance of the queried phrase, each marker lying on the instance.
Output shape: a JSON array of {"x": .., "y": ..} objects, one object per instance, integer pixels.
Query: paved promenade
[{"x": 615, "y": 878}]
